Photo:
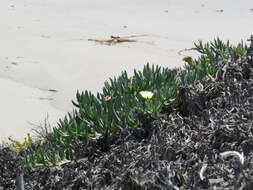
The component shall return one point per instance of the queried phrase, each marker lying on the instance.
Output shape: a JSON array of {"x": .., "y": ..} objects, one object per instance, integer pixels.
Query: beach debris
[
  {"x": 219, "y": 10},
  {"x": 13, "y": 63},
  {"x": 116, "y": 40},
  {"x": 49, "y": 89},
  {"x": 52, "y": 90},
  {"x": 46, "y": 98}
]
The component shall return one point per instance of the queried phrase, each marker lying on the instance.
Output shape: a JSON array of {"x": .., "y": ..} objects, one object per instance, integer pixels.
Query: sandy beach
[{"x": 46, "y": 55}]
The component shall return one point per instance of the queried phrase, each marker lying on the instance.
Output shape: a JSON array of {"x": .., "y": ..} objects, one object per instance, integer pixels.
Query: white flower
[{"x": 146, "y": 94}]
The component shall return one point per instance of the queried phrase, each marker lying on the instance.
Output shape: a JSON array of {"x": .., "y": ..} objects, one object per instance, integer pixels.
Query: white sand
[
  {"x": 22, "y": 108},
  {"x": 48, "y": 41}
]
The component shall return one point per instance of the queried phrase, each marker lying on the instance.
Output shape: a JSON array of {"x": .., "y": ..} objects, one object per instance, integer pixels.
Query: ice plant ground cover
[
  {"x": 123, "y": 102},
  {"x": 203, "y": 140}
]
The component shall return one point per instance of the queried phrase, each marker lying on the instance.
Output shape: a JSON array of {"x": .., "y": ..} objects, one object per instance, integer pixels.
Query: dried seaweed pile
[{"x": 180, "y": 151}]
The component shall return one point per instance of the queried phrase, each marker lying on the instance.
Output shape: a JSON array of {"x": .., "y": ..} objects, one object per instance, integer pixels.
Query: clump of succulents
[{"x": 122, "y": 98}]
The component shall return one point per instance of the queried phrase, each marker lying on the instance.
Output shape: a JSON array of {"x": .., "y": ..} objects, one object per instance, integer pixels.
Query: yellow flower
[{"x": 146, "y": 94}]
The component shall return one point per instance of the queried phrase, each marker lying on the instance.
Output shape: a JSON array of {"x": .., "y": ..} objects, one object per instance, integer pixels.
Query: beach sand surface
[{"x": 46, "y": 55}]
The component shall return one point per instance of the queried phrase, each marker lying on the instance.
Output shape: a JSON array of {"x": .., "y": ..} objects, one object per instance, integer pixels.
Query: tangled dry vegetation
[{"x": 204, "y": 142}]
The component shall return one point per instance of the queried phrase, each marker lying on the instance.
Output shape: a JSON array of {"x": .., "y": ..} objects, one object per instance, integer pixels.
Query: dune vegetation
[{"x": 123, "y": 98}]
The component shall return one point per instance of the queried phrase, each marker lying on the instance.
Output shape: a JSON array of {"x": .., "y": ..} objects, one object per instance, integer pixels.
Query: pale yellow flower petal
[{"x": 146, "y": 94}]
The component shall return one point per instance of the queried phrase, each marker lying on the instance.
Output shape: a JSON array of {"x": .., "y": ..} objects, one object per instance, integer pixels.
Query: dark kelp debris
[
  {"x": 204, "y": 142},
  {"x": 116, "y": 40}
]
